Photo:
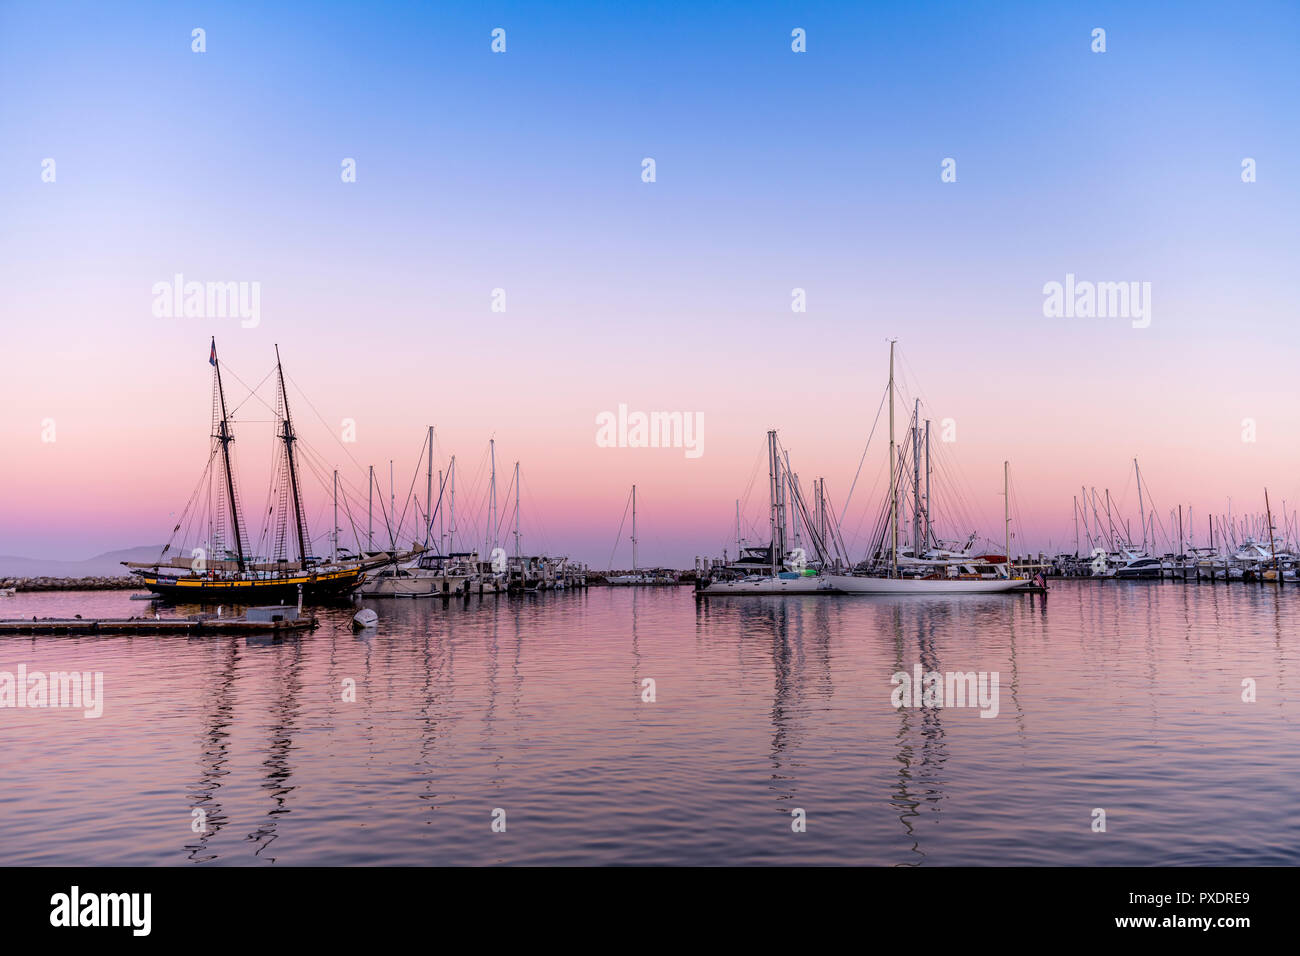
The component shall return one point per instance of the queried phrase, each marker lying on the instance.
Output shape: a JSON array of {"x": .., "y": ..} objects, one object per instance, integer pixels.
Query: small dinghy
[{"x": 364, "y": 618}]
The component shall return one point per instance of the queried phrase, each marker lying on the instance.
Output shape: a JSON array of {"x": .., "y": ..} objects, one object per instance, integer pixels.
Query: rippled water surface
[{"x": 1120, "y": 696}]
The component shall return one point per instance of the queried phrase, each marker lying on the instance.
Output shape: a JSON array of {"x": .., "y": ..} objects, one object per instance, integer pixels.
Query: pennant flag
[{"x": 212, "y": 356}]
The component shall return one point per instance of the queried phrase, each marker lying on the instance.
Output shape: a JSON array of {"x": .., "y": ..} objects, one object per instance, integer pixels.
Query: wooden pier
[{"x": 199, "y": 625}]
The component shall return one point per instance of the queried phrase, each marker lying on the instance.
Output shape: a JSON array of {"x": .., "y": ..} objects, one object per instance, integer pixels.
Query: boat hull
[
  {"x": 853, "y": 584},
  {"x": 203, "y": 590},
  {"x": 794, "y": 585},
  {"x": 415, "y": 586}
]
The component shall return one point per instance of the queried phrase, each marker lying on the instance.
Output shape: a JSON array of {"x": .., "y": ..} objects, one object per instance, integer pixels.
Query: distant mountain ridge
[{"x": 107, "y": 564}]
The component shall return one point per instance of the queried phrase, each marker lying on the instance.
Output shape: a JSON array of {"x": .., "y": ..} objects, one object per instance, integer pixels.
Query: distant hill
[{"x": 101, "y": 565}]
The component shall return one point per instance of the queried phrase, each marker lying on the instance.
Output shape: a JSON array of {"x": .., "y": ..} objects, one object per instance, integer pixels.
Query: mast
[
  {"x": 737, "y": 529},
  {"x": 225, "y": 437},
  {"x": 927, "y": 482},
  {"x": 428, "y": 494},
  {"x": 1086, "y": 532},
  {"x": 1006, "y": 509},
  {"x": 492, "y": 529},
  {"x": 893, "y": 487},
  {"x": 334, "y": 551},
  {"x": 916, "y": 479},
  {"x": 819, "y": 518},
  {"x": 1272, "y": 550},
  {"x": 300, "y": 526},
  {"x": 392, "y": 510},
  {"x": 1076, "y": 526},
  {"x": 790, "y": 479},
  {"x": 451, "y": 545},
  {"x": 1110, "y": 524},
  {"x": 370, "y": 512},
  {"x": 634, "y": 529},
  {"x": 517, "y": 552},
  {"x": 1141, "y": 507},
  {"x": 774, "y": 485}
]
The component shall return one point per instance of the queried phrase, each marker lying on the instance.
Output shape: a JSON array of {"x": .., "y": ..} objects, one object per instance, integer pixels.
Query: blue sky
[{"x": 774, "y": 170}]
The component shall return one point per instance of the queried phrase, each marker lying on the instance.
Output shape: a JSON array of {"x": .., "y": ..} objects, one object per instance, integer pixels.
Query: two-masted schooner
[{"x": 227, "y": 570}]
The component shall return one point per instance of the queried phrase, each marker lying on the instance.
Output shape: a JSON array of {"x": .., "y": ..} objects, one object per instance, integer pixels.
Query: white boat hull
[
  {"x": 416, "y": 585},
  {"x": 853, "y": 584},
  {"x": 799, "y": 585}
]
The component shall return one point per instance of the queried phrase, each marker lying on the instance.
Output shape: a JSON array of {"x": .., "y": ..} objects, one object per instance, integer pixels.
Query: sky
[{"x": 523, "y": 171}]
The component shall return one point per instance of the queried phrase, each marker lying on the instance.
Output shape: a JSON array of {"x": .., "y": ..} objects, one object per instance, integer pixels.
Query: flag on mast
[{"x": 212, "y": 356}]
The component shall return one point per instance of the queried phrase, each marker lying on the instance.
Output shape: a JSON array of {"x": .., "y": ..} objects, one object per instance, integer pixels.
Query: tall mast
[
  {"x": 334, "y": 551},
  {"x": 1076, "y": 526},
  {"x": 442, "y": 527},
  {"x": 790, "y": 479},
  {"x": 819, "y": 523},
  {"x": 927, "y": 482},
  {"x": 225, "y": 437},
  {"x": 517, "y": 552},
  {"x": 634, "y": 529},
  {"x": 300, "y": 526},
  {"x": 1110, "y": 525},
  {"x": 1141, "y": 506},
  {"x": 392, "y": 510},
  {"x": 1006, "y": 510},
  {"x": 774, "y": 487},
  {"x": 1272, "y": 550},
  {"x": 452, "y": 474},
  {"x": 428, "y": 494},
  {"x": 916, "y": 479},
  {"x": 1086, "y": 532},
  {"x": 370, "y": 512},
  {"x": 492, "y": 526},
  {"x": 737, "y": 529},
  {"x": 893, "y": 487}
]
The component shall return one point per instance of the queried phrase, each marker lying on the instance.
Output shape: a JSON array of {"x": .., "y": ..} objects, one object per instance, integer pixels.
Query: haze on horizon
[{"x": 522, "y": 171}]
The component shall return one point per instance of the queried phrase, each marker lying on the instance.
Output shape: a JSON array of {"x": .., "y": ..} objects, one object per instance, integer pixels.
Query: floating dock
[{"x": 192, "y": 626}]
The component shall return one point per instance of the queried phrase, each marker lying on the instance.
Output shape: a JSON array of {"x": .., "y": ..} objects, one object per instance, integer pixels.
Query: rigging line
[
  {"x": 541, "y": 529},
  {"x": 252, "y": 392},
  {"x": 501, "y": 512},
  {"x": 619, "y": 539},
  {"x": 744, "y": 499},
  {"x": 329, "y": 429},
  {"x": 863, "y": 459}
]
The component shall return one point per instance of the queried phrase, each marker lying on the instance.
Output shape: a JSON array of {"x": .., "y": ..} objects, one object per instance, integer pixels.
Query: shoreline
[{"x": 93, "y": 583}]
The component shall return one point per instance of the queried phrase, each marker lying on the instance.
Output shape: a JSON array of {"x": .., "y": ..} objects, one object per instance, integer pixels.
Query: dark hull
[{"x": 328, "y": 586}]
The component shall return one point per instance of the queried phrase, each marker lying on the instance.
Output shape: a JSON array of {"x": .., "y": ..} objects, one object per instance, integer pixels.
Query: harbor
[
  {"x": 198, "y": 625},
  {"x": 535, "y": 705}
]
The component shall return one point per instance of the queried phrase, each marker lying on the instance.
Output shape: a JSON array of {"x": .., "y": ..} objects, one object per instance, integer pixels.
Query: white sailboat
[
  {"x": 937, "y": 570},
  {"x": 785, "y": 573},
  {"x": 939, "y": 581}
]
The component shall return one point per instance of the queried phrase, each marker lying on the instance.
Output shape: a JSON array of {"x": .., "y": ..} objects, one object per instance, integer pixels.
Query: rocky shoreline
[{"x": 115, "y": 583}]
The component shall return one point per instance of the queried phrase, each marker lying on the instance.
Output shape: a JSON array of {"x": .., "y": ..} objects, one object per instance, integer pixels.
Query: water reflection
[{"x": 1120, "y": 692}]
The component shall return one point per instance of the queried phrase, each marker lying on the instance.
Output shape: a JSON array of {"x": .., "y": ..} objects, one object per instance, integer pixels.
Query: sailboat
[
  {"x": 942, "y": 576},
  {"x": 782, "y": 572},
  {"x": 227, "y": 571},
  {"x": 936, "y": 569}
]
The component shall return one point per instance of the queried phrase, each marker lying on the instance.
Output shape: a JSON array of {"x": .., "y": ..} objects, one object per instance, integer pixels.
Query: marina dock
[{"x": 197, "y": 625}]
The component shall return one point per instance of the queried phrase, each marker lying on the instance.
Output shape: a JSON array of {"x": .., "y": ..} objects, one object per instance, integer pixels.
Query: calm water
[{"x": 1120, "y": 696}]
